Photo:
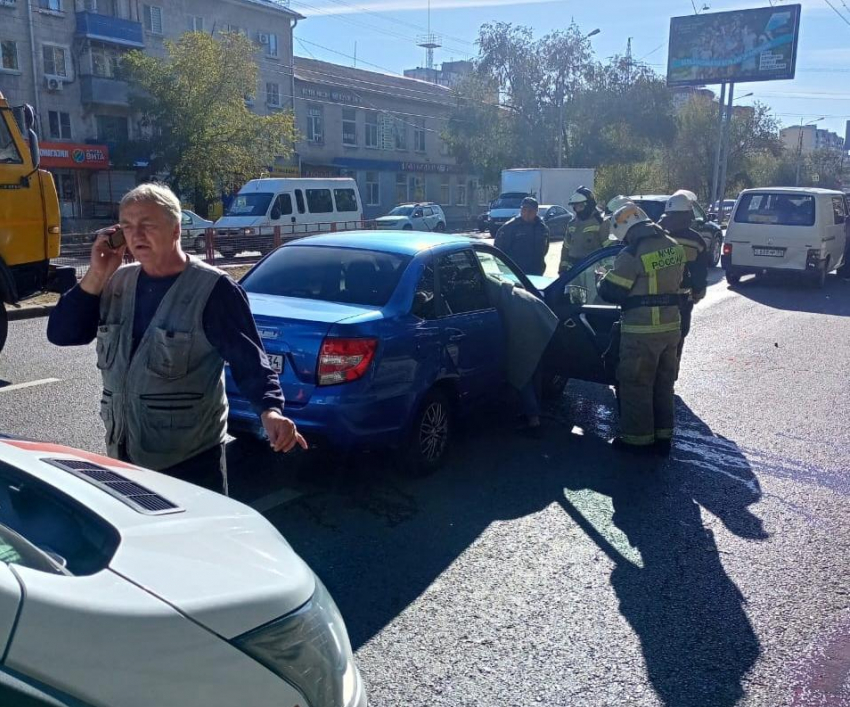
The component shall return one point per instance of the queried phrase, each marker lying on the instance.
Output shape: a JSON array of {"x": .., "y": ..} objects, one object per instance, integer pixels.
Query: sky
[{"x": 383, "y": 35}]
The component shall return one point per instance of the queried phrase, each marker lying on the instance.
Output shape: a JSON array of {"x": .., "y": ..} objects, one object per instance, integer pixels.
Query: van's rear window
[
  {"x": 346, "y": 275},
  {"x": 776, "y": 209}
]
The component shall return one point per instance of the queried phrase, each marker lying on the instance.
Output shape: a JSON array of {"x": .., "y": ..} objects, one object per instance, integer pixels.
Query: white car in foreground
[{"x": 121, "y": 586}]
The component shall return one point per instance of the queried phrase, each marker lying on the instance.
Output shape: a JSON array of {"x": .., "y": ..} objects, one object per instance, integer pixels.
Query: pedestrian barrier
[{"x": 217, "y": 246}]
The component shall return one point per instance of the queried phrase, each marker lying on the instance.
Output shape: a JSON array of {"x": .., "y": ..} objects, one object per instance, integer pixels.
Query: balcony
[
  {"x": 97, "y": 90},
  {"x": 114, "y": 30}
]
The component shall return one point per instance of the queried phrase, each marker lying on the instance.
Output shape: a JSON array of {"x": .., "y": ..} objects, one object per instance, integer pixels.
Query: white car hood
[
  {"x": 216, "y": 560},
  {"x": 239, "y": 221}
]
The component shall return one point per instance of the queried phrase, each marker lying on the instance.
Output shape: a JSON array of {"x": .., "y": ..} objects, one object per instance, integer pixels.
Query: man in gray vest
[{"x": 165, "y": 325}]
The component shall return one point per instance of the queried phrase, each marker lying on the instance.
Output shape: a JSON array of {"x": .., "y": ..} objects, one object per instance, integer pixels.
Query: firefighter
[
  {"x": 645, "y": 282},
  {"x": 616, "y": 203},
  {"x": 677, "y": 220},
  {"x": 588, "y": 231}
]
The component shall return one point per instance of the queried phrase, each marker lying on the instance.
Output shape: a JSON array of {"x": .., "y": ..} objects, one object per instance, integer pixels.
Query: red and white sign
[{"x": 74, "y": 155}]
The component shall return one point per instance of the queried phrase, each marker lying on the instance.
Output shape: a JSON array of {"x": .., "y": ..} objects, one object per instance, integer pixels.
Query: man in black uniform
[
  {"x": 677, "y": 220},
  {"x": 525, "y": 238}
]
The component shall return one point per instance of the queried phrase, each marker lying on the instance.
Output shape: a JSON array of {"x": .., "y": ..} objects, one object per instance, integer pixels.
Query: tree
[{"x": 202, "y": 136}]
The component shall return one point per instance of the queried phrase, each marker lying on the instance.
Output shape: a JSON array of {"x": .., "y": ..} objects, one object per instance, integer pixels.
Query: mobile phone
[{"x": 116, "y": 239}]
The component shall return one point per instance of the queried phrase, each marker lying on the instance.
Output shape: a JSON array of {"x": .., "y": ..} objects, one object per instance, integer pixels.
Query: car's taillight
[
  {"x": 727, "y": 249},
  {"x": 345, "y": 360}
]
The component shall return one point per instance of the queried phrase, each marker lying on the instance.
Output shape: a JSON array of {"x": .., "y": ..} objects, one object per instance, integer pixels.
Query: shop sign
[{"x": 74, "y": 156}]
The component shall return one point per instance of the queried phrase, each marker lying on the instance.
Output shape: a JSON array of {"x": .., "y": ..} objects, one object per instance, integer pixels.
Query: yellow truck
[{"x": 29, "y": 217}]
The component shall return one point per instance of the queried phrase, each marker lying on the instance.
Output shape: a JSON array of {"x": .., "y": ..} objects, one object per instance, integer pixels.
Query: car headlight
[
  {"x": 248, "y": 232},
  {"x": 308, "y": 648}
]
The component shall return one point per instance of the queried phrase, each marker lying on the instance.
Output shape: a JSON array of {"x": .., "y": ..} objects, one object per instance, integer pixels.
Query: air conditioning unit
[
  {"x": 264, "y": 38},
  {"x": 54, "y": 84}
]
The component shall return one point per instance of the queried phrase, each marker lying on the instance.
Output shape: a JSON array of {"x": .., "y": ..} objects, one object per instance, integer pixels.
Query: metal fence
[{"x": 217, "y": 246}]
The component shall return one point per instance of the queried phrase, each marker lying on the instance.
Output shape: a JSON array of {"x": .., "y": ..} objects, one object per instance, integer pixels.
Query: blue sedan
[{"x": 381, "y": 339}]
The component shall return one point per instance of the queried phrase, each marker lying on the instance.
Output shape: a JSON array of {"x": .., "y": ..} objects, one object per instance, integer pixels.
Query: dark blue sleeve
[
  {"x": 74, "y": 320},
  {"x": 230, "y": 328}
]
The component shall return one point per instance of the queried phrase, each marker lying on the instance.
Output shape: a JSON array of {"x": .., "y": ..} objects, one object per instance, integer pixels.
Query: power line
[{"x": 837, "y": 12}]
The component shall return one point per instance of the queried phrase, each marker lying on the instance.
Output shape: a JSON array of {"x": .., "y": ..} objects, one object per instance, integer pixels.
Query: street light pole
[{"x": 561, "y": 111}]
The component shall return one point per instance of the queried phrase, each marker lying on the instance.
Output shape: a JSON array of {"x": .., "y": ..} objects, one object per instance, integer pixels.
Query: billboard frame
[{"x": 751, "y": 77}]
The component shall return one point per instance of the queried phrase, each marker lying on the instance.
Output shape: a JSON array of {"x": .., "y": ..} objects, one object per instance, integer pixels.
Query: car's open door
[{"x": 586, "y": 321}]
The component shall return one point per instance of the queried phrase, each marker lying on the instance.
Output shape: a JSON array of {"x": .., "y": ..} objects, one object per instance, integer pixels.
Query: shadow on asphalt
[
  {"x": 789, "y": 293},
  {"x": 380, "y": 541}
]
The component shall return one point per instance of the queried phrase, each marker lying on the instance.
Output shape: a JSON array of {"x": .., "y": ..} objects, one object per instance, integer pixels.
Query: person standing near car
[
  {"x": 165, "y": 325},
  {"x": 677, "y": 220},
  {"x": 645, "y": 282},
  {"x": 525, "y": 238},
  {"x": 588, "y": 232}
]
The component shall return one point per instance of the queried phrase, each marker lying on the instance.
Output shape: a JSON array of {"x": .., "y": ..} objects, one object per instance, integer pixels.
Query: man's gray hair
[{"x": 155, "y": 193}]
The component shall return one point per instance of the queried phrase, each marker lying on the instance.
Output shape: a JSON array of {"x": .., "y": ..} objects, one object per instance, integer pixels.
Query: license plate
[
  {"x": 770, "y": 252},
  {"x": 276, "y": 361}
]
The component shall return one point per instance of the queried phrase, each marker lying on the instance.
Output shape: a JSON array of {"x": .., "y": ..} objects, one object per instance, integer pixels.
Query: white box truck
[{"x": 549, "y": 185}]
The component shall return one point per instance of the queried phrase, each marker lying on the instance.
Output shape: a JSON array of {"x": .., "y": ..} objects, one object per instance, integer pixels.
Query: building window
[
  {"x": 153, "y": 18},
  {"x": 102, "y": 7},
  {"x": 444, "y": 148},
  {"x": 349, "y": 127},
  {"x": 60, "y": 124},
  {"x": 196, "y": 24},
  {"x": 373, "y": 189},
  {"x": 52, "y": 5},
  {"x": 416, "y": 187},
  {"x": 271, "y": 46},
  {"x": 460, "y": 192},
  {"x": 9, "y": 55},
  {"x": 400, "y": 188},
  {"x": 315, "y": 125},
  {"x": 419, "y": 136},
  {"x": 445, "y": 191},
  {"x": 371, "y": 135},
  {"x": 400, "y": 134},
  {"x": 55, "y": 63},
  {"x": 273, "y": 94},
  {"x": 111, "y": 128},
  {"x": 105, "y": 61}
]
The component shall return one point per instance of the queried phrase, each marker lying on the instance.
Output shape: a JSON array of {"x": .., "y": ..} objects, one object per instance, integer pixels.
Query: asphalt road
[{"x": 558, "y": 572}]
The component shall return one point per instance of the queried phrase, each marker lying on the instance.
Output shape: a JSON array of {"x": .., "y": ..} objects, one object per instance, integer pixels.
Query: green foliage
[{"x": 202, "y": 136}]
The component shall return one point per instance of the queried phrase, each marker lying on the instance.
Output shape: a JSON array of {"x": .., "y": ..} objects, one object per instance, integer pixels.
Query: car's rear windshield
[
  {"x": 776, "y": 209},
  {"x": 329, "y": 274},
  {"x": 508, "y": 202},
  {"x": 653, "y": 209}
]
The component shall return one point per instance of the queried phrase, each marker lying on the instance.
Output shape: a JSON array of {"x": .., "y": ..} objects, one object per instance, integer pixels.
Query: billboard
[{"x": 734, "y": 47}]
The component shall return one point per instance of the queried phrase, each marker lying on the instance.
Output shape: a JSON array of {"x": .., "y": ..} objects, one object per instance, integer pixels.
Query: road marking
[
  {"x": 30, "y": 384},
  {"x": 270, "y": 501}
]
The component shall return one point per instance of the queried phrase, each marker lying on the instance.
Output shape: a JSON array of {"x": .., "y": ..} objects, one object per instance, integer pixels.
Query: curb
[{"x": 40, "y": 310}]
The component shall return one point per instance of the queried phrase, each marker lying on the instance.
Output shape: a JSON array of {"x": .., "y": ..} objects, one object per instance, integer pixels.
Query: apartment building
[
  {"x": 385, "y": 131},
  {"x": 808, "y": 138},
  {"x": 62, "y": 57}
]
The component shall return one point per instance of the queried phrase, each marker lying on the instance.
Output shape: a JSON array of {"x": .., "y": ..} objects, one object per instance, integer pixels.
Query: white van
[
  {"x": 786, "y": 229},
  {"x": 298, "y": 206}
]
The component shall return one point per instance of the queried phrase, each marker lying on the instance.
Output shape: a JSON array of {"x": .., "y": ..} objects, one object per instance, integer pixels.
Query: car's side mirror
[
  {"x": 34, "y": 149},
  {"x": 417, "y": 214},
  {"x": 712, "y": 216},
  {"x": 577, "y": 294}
]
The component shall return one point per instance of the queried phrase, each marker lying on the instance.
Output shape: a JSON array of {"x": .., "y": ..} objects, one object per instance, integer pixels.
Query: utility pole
[
  {"x": 721, "y": 184},
  {"x": 561, "y": 109},
  {"x": 800, "y": 147},
  {"x": 716, "y": 175}
]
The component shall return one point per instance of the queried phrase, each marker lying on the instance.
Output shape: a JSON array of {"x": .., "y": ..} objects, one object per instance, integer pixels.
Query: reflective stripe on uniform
[
  {"x": 663, "y": 434},
  {"x": 590, "y": 229},
  {"x": 618, "y": 280},
  {"x": 652, "y": 328},
  {"x": 638, "y": 440}
]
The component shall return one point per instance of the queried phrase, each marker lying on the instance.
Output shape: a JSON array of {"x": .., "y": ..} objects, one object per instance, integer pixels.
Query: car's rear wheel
[
  {"x": 430, "y": 434},
  {"x": 227, "y": 253},
  {"x": 716, "y": 250},
  {"x": 441, "y": 227},
  {"x": 732, "y": 278},
  {"x": 4, "y": 325},
  {"x": 818, "y": 280},
  {"x": 553, "y": 386},
  {"x": 201, "y": 245},
  {"x": 407, "y": 227}
]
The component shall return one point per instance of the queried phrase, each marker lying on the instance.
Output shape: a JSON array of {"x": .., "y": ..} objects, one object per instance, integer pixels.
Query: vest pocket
[
  {"x": 108, "y": 417},
  {"x": 169, "y": 353},
  {"x": 164, "y": 427},
  {"x": 107, "y": 344}
]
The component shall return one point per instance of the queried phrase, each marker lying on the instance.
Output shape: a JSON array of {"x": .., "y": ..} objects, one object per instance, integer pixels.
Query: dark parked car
[
  {"x": 557, "y": 218},
  {"x": 710, "y": 230}
]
